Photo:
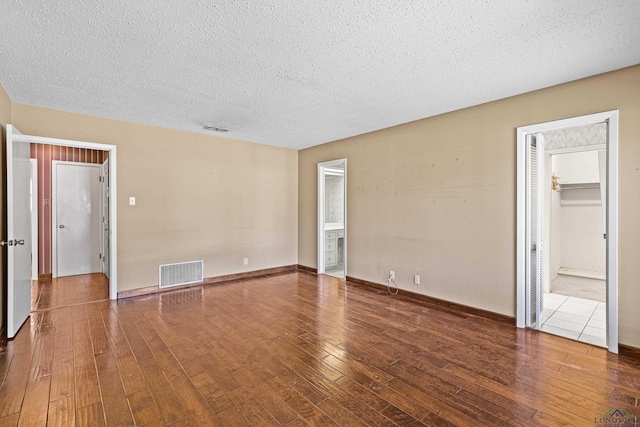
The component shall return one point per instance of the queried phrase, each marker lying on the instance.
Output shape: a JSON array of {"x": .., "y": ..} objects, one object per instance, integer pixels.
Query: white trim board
[
  {"x": 564, "y": 271},
  {"x": 34, "y": 220}
]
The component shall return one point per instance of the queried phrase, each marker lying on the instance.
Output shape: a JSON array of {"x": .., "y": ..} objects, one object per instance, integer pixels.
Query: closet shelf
[{"x": 580, "y": 186}]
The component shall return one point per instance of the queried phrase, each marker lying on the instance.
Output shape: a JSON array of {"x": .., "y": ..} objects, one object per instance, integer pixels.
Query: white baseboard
[{"x": 564, "y": 271}]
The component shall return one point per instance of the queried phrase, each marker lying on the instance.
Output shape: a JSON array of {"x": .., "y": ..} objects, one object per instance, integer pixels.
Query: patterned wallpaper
[
  {"x": 334, "y": 201},
  {"x": 576, "y": 136}
]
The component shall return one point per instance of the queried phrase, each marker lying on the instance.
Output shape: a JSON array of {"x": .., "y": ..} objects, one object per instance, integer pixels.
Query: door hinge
[{"x": 99, "y": 256}]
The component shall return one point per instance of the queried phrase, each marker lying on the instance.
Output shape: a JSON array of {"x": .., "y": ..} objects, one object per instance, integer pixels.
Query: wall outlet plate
[{"x": 246, "y": 261}]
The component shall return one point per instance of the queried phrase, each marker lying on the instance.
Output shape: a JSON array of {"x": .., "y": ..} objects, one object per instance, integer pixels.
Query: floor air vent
[{"x": 181, "y": 273}]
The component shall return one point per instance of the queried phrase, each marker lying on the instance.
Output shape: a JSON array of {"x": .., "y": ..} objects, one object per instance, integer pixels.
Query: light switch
[{"x": 132, "y": 201}]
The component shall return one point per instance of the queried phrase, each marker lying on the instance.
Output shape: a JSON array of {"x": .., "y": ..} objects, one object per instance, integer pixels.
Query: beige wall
[
  {"x": 5, "y": 119},
  {"x": 198, "y": 197},
  {"x": 437, "y": 197}
]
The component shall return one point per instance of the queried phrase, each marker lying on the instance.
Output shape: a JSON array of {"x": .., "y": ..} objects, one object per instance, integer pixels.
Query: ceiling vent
[{"x": 214, "y": 128}]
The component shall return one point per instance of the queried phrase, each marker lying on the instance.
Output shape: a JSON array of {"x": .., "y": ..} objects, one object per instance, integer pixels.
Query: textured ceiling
[{"x": 304, "y": 72}]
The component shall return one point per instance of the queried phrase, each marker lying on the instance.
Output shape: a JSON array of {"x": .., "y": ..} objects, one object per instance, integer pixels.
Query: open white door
[{"x": 18, "y": 242}]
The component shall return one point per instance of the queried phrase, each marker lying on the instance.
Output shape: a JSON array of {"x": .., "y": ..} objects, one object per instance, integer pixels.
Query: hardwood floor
[
  {"x": 297, "y": 349},
  {"x": 66, "y": 291}
]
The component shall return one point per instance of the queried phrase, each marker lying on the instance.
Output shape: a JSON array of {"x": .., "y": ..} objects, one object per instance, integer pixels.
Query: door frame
[
  {"x": 321, "y": 207},
  {"x": 104, "y": 193},
  {"x": 611, "y": 118},
  {"x": 54, "y": 209},
  {"x": 113, "y": 249},
  {"x": 34, "y": 220}
]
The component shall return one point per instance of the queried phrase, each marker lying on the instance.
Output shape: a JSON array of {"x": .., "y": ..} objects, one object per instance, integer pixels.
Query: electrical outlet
[
  {"x": 416, "y": 279},
  {"x": 246, "y": 261},
  {"x": 132, "y": 201},
  {"x": 392, "y": 274}
]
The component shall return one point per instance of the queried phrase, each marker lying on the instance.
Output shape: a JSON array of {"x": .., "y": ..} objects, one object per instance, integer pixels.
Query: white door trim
[
  {"x": 104, "y": 194},
  {"x": 34, "y": 219},
  {"x": 611, "y": 117},
  {"x": 113, "y": 208},
  {"x": 321, "y": 207}
]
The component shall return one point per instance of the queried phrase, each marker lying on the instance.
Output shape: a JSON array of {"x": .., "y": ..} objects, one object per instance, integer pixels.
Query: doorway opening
[
  {"x": 68, "y": 216},
  {"x": 48, "y": 154},
  {"x": 567, "y": 228},
  {"x": 332, "y": 218},
  {"x": 574, "y": 300}
]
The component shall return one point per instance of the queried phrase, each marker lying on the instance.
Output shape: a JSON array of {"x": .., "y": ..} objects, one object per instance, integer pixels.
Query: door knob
[
  {"x": 14, "y": 242},
  {"x": 61, "y": 226}
]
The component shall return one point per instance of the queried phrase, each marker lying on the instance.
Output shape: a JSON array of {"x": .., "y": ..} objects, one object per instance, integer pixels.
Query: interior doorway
[
  {"x": 108, "y": 235},
  {"x": 567, "y": 228},
  {"x": 332, "y": 218}
]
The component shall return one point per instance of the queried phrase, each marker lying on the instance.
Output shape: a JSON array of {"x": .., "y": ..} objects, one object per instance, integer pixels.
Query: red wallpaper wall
[{"x": 45, "y": 155}]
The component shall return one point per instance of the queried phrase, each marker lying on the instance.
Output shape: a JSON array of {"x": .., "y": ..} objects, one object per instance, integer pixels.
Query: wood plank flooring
[
  {"x": 65, "y": 291},
  {"x": 296, "y": 350}
]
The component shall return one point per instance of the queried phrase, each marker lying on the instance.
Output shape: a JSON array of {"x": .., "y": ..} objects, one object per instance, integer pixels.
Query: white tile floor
[{"x": 576, "y": 318}]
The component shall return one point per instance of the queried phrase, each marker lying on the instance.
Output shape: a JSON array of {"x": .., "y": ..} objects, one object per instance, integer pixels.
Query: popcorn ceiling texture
[{"x": 301, "y": 73}]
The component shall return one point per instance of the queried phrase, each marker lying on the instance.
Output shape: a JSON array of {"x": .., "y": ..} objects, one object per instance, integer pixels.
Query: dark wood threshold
[
  {"x": 306, "y": 269},
  {"x": 210, "y": 280},
  {"x": 440, "y": 303},
  {"x": 47, "y": 276},
  {"x": 629, "y": 351}
]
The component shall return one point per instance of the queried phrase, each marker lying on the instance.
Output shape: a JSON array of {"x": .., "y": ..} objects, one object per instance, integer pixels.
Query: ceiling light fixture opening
[{"x": 214, "y": 128}]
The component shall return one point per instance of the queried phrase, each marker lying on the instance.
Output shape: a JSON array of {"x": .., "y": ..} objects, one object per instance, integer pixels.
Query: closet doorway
[{"x": 567, "y": 228}]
